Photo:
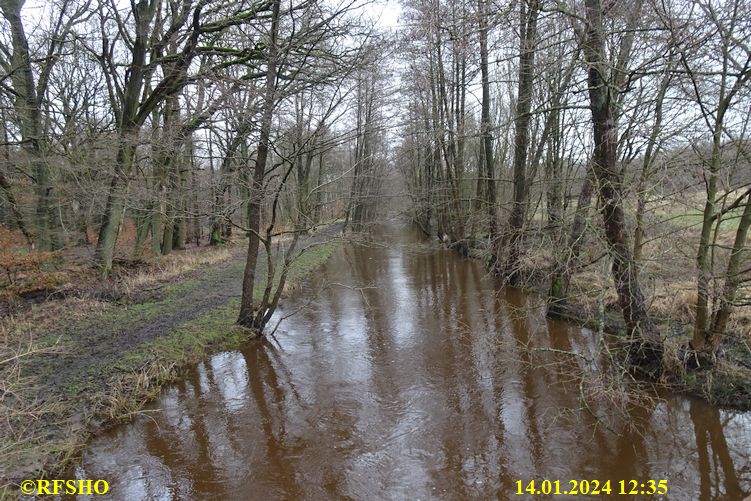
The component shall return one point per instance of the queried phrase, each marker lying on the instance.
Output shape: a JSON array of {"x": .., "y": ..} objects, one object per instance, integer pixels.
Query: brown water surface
[{"x": 408, "y": 374}]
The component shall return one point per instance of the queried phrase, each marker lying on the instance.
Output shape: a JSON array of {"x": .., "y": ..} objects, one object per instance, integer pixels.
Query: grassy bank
[
  {"x": 69, "y": 370},
  {"x": 159, "y": 360}
]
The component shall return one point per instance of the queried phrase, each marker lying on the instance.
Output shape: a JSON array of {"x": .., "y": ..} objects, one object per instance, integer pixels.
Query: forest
[{"x": 592, "y": 153}]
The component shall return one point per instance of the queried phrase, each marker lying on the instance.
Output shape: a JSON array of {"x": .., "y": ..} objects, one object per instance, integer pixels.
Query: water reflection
[
  {"x": 719, "y": 479},
  {"x": 409, "y": 376}
]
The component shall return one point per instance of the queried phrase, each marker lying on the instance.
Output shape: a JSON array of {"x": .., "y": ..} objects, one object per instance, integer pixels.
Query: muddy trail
[
  {"x": 93, "y": 348},
  {"x": 102, "y": 341}
]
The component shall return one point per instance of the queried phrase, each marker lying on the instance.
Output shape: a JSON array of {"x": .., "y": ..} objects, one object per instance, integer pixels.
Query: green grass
[
  {"x": 693, "y": 218},
  {"x": 190, "y": 341},
  {"x": 216, "y": 330},
  {"x": 687, "y": 211}
]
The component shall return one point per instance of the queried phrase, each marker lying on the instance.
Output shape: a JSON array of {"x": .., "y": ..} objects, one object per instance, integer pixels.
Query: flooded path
[{"x": 406, "y": 374}]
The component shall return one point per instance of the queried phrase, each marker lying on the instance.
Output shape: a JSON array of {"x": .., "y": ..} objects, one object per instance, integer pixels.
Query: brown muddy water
[{"x": 407, "y": 374}]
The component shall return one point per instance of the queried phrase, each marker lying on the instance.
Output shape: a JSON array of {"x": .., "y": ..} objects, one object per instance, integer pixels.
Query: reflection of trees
[
  {"x": 547, "y": 367},
  {"x": 631, "y": 448},
  {"x": 160, "y": 442},
  {"x": 454, "y": 355},
  {"x": 514, "y": 304},
  {"x": 261, "y": 370},
  {"x": 712, "y": 450}
]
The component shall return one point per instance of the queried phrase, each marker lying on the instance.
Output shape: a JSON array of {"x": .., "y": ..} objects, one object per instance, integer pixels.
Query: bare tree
[
  {"x": 648, "y": 344},
  {"x": 29, "y": 84}
]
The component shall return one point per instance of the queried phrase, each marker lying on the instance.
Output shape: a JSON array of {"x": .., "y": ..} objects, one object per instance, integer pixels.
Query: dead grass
[
  {"x": 129, "y": 392},
  {"x": 674, "y": 300},
  {"x": 165, "y": 268},
  {"x": 22, "y": 441}
]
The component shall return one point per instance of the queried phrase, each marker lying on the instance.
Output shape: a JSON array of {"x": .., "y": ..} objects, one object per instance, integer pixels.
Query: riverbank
[
  {"x": 592, "y": 303},
  {"x": 724, "y": 381},
  {"x": 73, "y": 367}
]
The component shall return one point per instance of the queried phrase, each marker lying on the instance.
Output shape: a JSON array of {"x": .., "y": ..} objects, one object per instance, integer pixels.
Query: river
[{"x": 406, "y": 373}]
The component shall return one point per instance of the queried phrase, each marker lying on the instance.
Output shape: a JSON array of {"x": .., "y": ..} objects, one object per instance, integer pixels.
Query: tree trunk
[
  {"x": 246, "y": 317},
  {"x": 133, "y": 113},
  {"x": 318, "y": 198},
  {"x": 647, "y": 344},
  {"x": 527, "y": 42},
  {"x": 28, "y": 109},
  {"x": 732, "y": 281},
  {"x": 127, "y": 129},
  {"x": 6, "y": 187},
  {"x": 561, "y": 280},
  {"x": 487, "y": 139},
  {"x": 113, "y": 210}
]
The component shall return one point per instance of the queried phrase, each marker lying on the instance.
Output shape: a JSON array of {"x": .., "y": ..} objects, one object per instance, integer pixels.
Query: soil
[{"x": 102, "y": 341}]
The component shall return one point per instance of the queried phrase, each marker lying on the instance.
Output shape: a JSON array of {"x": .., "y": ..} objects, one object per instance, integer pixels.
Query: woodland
[{"x": 593, "y": 151}]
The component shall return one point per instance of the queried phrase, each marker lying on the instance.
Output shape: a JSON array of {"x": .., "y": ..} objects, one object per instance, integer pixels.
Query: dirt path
[{"x": 103, "y": 340}]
